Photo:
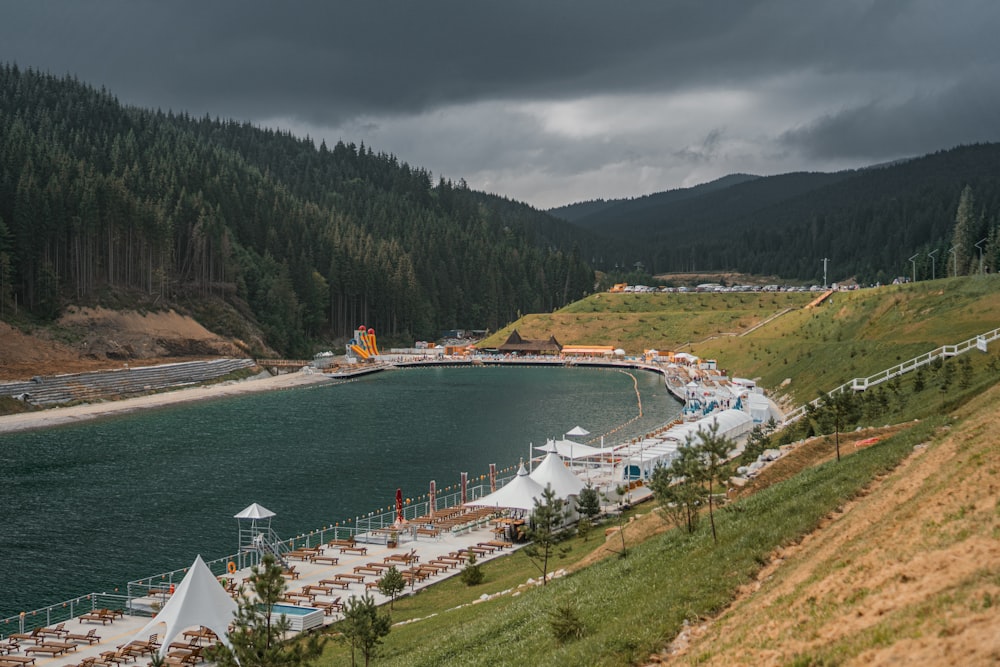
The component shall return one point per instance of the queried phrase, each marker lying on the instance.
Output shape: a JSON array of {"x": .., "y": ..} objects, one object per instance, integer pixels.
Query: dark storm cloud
[
  {"x": 678, "y": 89},
  {"x": 964, "y": 113}
]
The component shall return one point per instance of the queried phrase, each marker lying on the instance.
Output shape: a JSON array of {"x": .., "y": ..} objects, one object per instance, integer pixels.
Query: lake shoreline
[{"x": 75, "y": 414}]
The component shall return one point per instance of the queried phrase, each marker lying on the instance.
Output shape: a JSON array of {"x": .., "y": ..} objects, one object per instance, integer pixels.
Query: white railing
[{"x": 861, "y": 384}]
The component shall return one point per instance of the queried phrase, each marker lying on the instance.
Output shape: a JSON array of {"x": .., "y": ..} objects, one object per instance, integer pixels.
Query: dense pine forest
[
  {"x": 100, "y": 200},
  {"x": 102, "y": 203},
  {"x": 868, "y": 222}
]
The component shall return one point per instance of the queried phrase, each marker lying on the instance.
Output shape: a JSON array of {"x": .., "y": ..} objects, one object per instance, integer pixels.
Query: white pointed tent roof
[
  {"x": 519, "y": 493},
  {"x": 578, "y": 431},
  {"x": 198, "y": 600},
  {"x": 255, "y": 511},
  {"x": 568, "y": 449},
  {"x": 553, "y": 471}
]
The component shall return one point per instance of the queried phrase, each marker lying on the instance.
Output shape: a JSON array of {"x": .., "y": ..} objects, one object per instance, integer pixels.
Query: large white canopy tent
[
  {"x": 568, "y": 449},
  {"x": 519, "y": 493},
  {"x": 199, "y": 600},
  {"x": 552, "y": 471}
]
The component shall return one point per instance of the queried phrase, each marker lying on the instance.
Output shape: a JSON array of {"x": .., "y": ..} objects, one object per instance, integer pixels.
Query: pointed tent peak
[
  {"x": 578, "y": 431},
  {"x": 553, "y": 472},
  {"x": 521, "y": 470},
  {"x": 255, "y": 511},
  {"x": 549, "y": 446},
  {"x": 199, "y": 600}
]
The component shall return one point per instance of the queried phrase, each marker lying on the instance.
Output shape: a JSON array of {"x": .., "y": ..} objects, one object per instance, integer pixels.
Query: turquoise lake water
[{"x": 88, "y": 508}]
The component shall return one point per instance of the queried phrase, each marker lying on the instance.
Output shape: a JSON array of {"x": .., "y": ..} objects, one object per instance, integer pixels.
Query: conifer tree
[
  {"x": 256, "y": 638},
  {"x": 544, "y": 530}
]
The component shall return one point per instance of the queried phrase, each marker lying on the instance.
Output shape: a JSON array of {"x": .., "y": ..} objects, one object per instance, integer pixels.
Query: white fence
[{"x": 945, "y": 351}]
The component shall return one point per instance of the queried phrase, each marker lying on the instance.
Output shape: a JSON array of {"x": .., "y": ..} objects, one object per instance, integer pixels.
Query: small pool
[{"x": 299, "y": 618}]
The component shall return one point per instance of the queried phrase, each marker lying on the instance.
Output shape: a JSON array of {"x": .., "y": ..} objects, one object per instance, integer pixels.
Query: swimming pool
[{"x": 299, "y": 618}]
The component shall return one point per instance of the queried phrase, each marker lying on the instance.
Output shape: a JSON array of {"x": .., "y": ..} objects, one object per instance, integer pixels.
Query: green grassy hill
[{"x": 852, "y": 334}]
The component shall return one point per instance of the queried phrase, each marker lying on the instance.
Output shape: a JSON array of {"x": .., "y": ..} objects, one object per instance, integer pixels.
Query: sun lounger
[
  {"x": 354, "y": 550},
  {"x": 8, "y": 646},
  {"x": 330, "y": 560},
  {"x": 57, "y": 631},
  {"x": 344, "y": 576},
  {"x": 364, "y": 569},
  {"x": 26, "y": 636},
  {"x": 329, "y": 608},
  {"x": 91, "y": 637},
  {"x": 119, "y": 656},
  {"x": 102, "y": 616},
  {"x": 18, "y": 660},
  {"x": 341, "y": 543},
  {"x": 49, "y": 649},
  {"x": 142, "y": 646},
  {"x": 290, "y": 573},
  {"x": 201, "y": 634},
  {"x": 499, "y": 544},
  {"x": 314, "y": 590},
  {"x": 189, "y": 644},
  {"x": 339, "y": 583}
]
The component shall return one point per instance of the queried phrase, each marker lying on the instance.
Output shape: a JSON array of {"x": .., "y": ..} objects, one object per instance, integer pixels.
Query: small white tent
[
  {"x": 254, "y": 511},
  {"x": 519, "y": 493},
  {"x": 198, "y": 600},
  {"x": 553, "y": 471}
]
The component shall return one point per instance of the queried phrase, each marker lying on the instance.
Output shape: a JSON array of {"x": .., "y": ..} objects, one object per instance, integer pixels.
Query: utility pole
[
  {"x": 979, "y": 245},
  {"x": 933, "y": 263},
  {"x": 825, "y": 261},
  {"x": 911, "y": 260}
]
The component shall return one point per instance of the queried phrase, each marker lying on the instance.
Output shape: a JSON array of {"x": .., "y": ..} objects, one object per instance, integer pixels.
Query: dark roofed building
[{"x": 516, "y": 344}]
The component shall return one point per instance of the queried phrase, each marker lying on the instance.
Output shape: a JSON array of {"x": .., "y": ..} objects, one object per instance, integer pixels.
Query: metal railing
[
  {"x": 61, "y": 612},
  {"x": 861, "y": 384}
]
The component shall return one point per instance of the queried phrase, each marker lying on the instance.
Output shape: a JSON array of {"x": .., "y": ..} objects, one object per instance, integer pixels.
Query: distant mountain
[
  {"x": 867, "y": 222},
  {"x": 595, "y": 213}
]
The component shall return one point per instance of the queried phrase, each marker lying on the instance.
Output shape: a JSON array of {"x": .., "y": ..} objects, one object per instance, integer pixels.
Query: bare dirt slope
[
  {"x": 908, "y": 574},
  {"x": 96, "y": 338}
]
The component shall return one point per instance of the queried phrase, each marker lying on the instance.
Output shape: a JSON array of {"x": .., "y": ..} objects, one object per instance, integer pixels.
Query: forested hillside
[
  {"x": 868, "y": 222},
  {"x": 98, "y": 199}
]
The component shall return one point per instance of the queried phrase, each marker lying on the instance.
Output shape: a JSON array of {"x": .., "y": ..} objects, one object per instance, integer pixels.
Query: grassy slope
[
  {"x": 855, "y": 334},
  {"x": 909, "y": 574},
  {"x": 632, "y": 607},
  {"x": 637, "y": 322}
]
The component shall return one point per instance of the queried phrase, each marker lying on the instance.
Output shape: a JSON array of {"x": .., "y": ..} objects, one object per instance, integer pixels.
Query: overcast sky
[{"x": 545, "y": 101}]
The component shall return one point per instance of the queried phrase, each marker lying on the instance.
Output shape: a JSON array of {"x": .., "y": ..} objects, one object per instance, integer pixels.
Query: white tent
[
  {"x": 519, "y": 493},
  {"x": 254, "y": 511},
  {"x": 553, "y": 471},
  {"x": 578, "y": 431},
  {"x": 568, "y": 449},
  {"x": 198, "y": 600}
]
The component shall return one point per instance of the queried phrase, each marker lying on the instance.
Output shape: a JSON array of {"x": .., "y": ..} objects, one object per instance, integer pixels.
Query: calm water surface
[{"x": 90, "y": 507}]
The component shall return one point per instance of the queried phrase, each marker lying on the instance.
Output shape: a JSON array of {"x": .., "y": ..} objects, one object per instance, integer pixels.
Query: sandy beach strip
[{"x": 60, "y": 416}]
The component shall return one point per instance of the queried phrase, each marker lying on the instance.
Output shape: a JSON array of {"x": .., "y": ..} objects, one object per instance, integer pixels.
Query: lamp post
[
  {"x": 825, "y": 260},
  {"x": 979, "y": 245},
  {"x": 954, "y": 251},
  {"x": 933, "y": 263},
  {"x": 914, "y": 263}
]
